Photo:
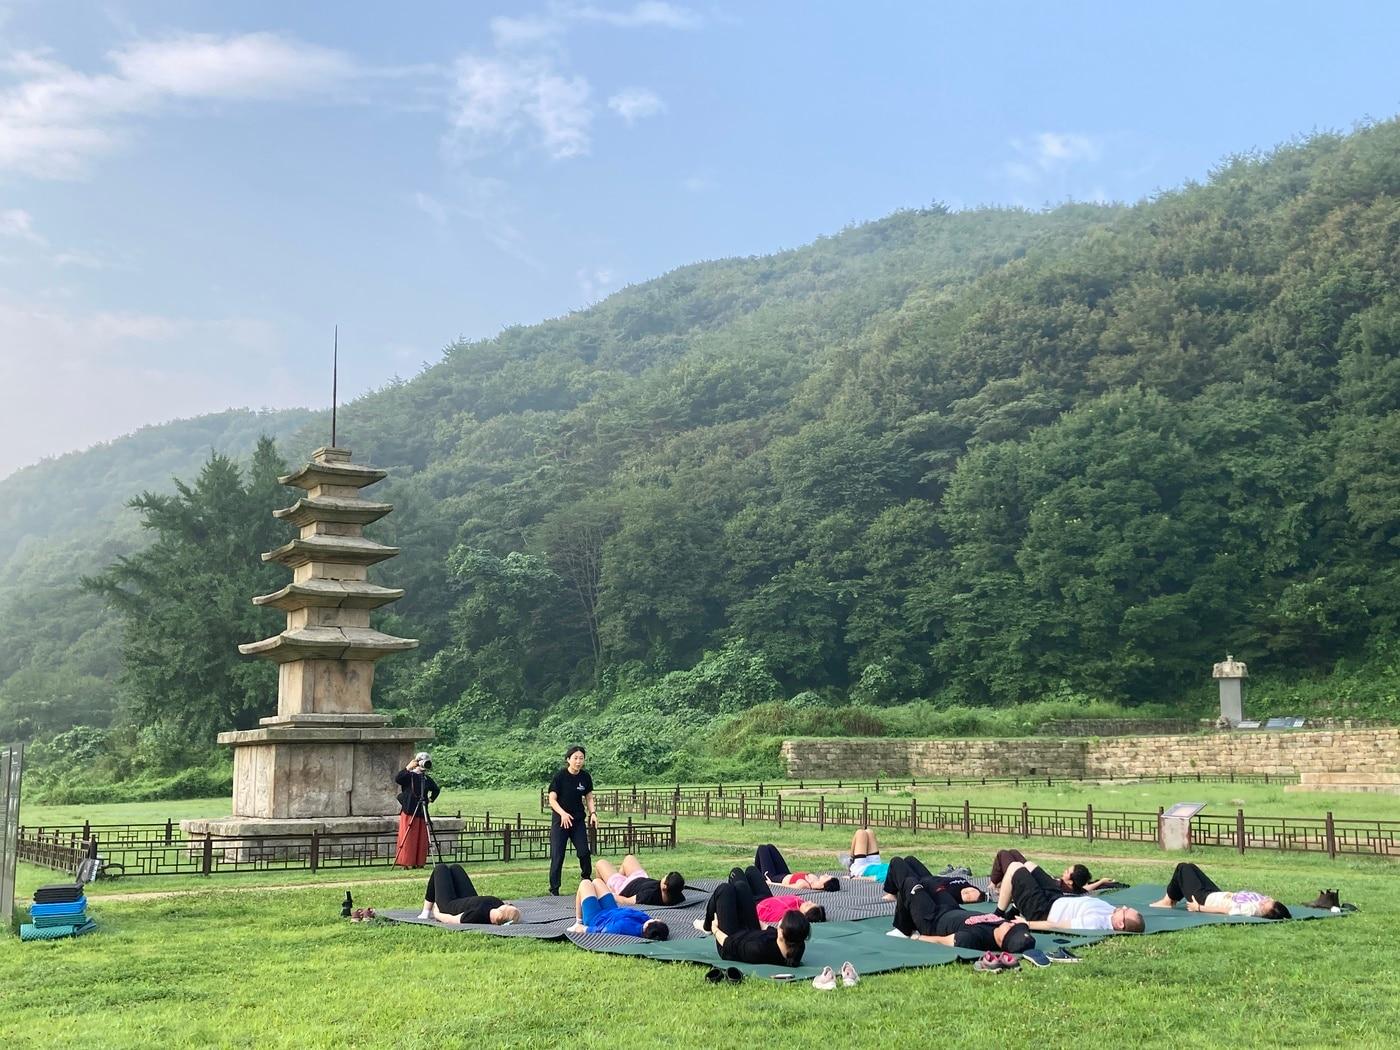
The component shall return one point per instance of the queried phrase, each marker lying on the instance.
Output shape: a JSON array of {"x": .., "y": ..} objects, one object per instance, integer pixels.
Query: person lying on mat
[
  {"x": 630, "y": 884},
  {"x": 596, "y": 911},
  {"x": 1191, "y": 884},
  {"x": 769, "y": 860},
  {"x": 865, "y": 854},
  {"x": 1076, "y": 878},
  {"x": 452, "y": 898},
  {"x": 922, "y": 914},
  {"x": 770, "y": 908},
  {"x": 732, "y": 916},
  {"x": 1045, "y": 906},
  {"x": 953, "y": 888}
]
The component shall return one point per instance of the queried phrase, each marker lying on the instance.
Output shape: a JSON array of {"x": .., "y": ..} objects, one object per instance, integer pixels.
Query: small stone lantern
[{"x": 1231, "y": 674}]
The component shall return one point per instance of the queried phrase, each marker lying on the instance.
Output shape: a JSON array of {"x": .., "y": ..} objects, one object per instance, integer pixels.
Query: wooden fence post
[
  {"x": 1331, "y": 836},
  {"x": 821, "y": 813},
  {"x": 169, "y": 831},
  {"x": 207, "y": 867},
  {"x": 673, "y": 832},
  {"x": 315, "y": 858},
  {"x": 865, "y": 811},
  {"x": 505, "y": 843},
  {"x": 1239, "y": 830},
  {"x": 741, "y": 809},
  {"x": 707, "y": 807},
  {"x": 967, "y": 819},
  {"x": 913, "y": 814},
  {"x": 1025, "y": 820},
  {"x": 1089, "y": 823},
  {"x": 644, "y": 804},
  {"x": 631, "y": 837}
]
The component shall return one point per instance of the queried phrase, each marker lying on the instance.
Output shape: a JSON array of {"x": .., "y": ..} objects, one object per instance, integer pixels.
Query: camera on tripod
[{"x": 424, "y": 760}]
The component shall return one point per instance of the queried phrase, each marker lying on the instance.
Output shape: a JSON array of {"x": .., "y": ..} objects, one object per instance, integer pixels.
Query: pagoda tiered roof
[
  {"x": 311, "y": 509},
  {"x": 345, "y": 550},
  {"x": 327, "y": 643},
  {"x": 330, "y": 594},
  {"x": 334, "y": 469}
]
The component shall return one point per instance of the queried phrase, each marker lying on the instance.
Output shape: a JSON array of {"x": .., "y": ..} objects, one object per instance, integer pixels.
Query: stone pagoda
[{"x": 326, "y": 761}]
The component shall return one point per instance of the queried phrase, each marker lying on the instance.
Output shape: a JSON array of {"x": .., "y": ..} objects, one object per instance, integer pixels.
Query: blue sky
[{"x": 192, "y": 194}]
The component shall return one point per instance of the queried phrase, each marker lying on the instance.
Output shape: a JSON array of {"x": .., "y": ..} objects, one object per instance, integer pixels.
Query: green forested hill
[{"x": 979, "y": 457}]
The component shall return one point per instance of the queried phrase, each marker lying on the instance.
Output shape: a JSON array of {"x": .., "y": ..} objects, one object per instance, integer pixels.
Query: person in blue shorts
[{"x": 596, "y": 911}]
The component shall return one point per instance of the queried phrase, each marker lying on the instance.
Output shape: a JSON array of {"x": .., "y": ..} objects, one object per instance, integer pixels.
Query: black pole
[{"x": 335, "y": 379}]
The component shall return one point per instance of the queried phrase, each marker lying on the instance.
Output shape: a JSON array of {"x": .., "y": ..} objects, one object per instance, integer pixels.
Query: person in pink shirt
[{"x": 771, "y": 909}]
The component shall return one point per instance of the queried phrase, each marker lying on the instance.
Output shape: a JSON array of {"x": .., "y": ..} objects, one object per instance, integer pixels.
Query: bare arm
[
  {"x": 592, "y": 807},
  {"x": 946, "y": 941}
]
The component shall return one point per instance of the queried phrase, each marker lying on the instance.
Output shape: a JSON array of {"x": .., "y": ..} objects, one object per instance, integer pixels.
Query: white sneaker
[
  {"x": 849, "y": 977},
  {"x": 425, "y": 915},
  {"x": 825, "y": 981},
  {"x": 699, "y": 924}
]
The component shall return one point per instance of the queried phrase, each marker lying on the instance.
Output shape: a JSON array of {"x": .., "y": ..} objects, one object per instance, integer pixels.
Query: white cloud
[
  {"x": 499, "y": 99},
  {"x": 252, "y": 66},
  {"x": 648, "y": 14},
  {"x": 484, "y": 204},
  {"x": 55, "y": 120},
  {"x": 633, "y": 104},
  {"x": 595, "y": 282},
  {"x": 19, "y": 225},
  {"x": 526, "y": 31},
  {"x": 74, "y": 378},
  {"x": 1050, "y": 152}
]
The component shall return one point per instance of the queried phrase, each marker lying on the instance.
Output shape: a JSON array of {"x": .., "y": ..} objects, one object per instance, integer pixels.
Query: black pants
[
  {"x": 1033, "y": 891},
  {"x": 770, "y": 862},
  {"x": 915, "y": 909},
  {"x": 448, "y": 882},
  {"x": 754, "y": 880},
  {"x": 559, "y": 837},
  {"x": 902, "y": 868},
  {"x": 1004, "y": 859},
  {"x": 1190, "y": 883},
  {"x": 731, "y": 907}
]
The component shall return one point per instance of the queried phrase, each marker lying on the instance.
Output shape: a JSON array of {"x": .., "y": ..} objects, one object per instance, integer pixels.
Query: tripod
[{"x": 420, "y": 809}]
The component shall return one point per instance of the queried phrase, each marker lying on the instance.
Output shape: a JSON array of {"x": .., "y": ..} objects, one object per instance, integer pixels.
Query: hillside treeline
[{"x": 974, "y": 458}]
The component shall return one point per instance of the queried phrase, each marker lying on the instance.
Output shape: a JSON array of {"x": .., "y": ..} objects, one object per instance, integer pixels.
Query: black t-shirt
[
  {"x": 643, "y": 890},
  {"x": 752, "y": 946},
  {"x": 472, "y": 909},
  {"x": 569, "y": 789}
]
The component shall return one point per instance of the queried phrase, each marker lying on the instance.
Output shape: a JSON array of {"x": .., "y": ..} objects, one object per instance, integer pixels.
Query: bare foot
[{"x": 1165, "y": 902}]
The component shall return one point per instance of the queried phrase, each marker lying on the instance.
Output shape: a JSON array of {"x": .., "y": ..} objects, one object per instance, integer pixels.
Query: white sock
[{"x": 426, "y": 913}]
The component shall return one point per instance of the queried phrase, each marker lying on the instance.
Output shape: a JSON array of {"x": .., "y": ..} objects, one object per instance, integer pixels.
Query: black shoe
[
  {"x": 346, "y": 906},
  {"x": 553, "y": 892},
  {"x": 1327, "y": 899}
]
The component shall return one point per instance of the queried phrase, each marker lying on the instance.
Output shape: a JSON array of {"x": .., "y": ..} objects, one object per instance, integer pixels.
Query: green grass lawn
[{"x": 225, "y": 963}]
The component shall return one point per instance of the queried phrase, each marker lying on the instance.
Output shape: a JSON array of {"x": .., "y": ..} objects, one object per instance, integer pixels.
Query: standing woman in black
[
  {"x": 570, "y": 794},
  {"x": 419, "y": 790}
]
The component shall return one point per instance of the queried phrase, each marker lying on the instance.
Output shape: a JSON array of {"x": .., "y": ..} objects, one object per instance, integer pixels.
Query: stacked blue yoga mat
[{"x": 58, "y": 911}]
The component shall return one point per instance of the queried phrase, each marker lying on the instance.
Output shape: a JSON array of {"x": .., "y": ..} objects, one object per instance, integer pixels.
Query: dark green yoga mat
[
  {"x": 1163, "y": 920},
  {"x": 864, "y": 942}
]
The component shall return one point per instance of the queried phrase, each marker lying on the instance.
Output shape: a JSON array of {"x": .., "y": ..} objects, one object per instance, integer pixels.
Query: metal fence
[
  {"x": 1325, "y": 834},
  {"x": 163, "y": 849}
]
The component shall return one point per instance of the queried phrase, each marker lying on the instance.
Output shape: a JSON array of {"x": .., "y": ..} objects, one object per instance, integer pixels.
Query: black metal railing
[
  {"x": 164, "y": 849},
  {"x": 1325, "y": 834}
]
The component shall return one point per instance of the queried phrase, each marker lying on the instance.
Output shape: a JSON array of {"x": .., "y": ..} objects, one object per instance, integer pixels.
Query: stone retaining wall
[{"x": 1289, "y": 753}]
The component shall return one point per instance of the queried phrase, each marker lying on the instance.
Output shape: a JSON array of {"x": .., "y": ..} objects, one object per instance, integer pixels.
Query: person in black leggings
[
  {"x": 572, "y": 809},
  {"x": 451, "y": 898},
  {"x": 732, "y": 916},
  {"x": 955, "y": 888},
  {"x": 923, "y": 914},
  {"x": 771, "y": 863},
  {"x": 1199, "y": 891}
]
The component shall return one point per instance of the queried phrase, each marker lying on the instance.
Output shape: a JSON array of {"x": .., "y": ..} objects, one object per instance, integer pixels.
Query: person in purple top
[{"x": 596, "y": 911}]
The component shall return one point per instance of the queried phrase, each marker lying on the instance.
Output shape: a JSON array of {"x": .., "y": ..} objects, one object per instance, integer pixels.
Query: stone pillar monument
[
  {"x": 1231, "y": 674},
  {"x": 326, "y": 760}
]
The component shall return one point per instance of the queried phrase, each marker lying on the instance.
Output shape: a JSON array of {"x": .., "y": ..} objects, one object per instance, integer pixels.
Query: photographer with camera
[{"x": 418, "y": 789}]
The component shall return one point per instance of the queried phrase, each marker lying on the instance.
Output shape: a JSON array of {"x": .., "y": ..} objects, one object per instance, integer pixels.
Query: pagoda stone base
[
  {"x": 294, "y": 771},
  {"x": 240, "y": 840}
]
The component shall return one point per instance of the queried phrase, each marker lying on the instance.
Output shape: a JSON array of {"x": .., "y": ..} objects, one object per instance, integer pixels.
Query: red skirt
[{"x": 412, "y": 851}]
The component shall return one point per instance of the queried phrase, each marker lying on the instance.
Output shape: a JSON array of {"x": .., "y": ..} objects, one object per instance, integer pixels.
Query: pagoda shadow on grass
[{"x": 326, "y": 761}]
